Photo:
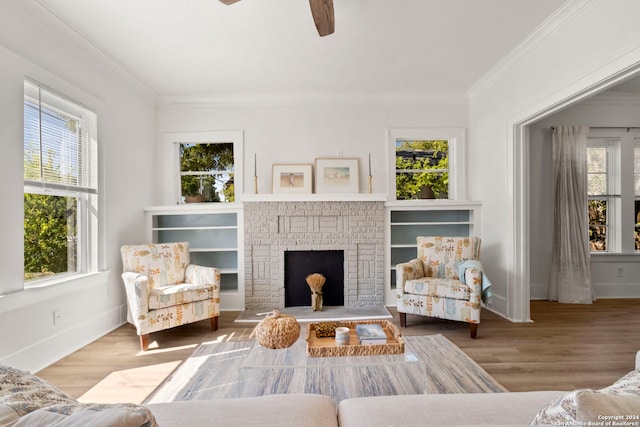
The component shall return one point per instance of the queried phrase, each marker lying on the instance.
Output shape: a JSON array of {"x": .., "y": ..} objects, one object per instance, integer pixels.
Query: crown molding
[
  {"x": 614, "y": 98},
  {"x": 568, "y": 12},
  {"x": 315, "y": 99},
  {"x": 38, "y": 14}
]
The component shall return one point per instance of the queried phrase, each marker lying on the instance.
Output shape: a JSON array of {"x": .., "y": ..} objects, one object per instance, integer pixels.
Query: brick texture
[{"x": 271, "y": 228}]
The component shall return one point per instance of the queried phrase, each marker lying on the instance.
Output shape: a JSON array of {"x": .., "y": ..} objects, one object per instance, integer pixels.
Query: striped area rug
[{"x": 212, "y": 373}]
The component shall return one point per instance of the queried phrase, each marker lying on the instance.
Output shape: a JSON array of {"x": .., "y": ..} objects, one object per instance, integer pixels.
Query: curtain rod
[{"x": 628, "y": 128}]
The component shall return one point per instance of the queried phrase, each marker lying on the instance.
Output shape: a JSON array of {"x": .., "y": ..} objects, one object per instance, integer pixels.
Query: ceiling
[{"x": 202, "y": 47}]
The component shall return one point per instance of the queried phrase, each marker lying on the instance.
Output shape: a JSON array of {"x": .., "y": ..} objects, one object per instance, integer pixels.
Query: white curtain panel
[{"x": 570, "y": 280}]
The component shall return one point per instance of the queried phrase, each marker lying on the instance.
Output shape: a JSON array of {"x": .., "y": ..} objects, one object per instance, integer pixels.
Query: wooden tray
[{"x": 326, "y": 347}]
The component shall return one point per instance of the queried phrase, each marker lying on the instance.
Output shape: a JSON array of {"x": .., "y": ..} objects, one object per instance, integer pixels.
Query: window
[
  {"x": 613, "y": 191},
  {"x": 427, "y": 163},
  {"x": 60, "y": 185},
  {"x": 207, "y": 172},
  {"x": 202, "y": 167}
]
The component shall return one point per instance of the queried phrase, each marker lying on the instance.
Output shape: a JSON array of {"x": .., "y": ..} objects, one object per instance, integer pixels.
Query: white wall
[
  {"x": 295, "y": 132},
  {"x": 93, "y": 305},
  {"x": 580, "y": 47},
  {"x": 610, "y": 109}
]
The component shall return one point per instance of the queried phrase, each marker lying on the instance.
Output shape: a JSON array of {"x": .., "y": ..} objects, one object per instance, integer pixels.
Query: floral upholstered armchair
[
  {"x": 164, "y": 290},
  {"x": 444, "y": 281}
]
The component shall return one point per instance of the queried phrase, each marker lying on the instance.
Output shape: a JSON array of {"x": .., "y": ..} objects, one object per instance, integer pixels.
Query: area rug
[
  {"x": 328, "y": 314},
  {"x": 212, "y": 373}
]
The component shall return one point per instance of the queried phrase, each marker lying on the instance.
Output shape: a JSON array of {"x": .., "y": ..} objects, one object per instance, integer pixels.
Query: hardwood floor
[{"x": 565, "y": 347}]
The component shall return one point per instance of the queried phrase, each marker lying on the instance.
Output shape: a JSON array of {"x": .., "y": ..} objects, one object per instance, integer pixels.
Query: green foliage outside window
[
  {"x": 49, "y": 235},
  {"x": 414, "y": 160},
  {"x": 50, "y": 227},
  {"x": 598, "y": 225},
  {"x": 207, "y": 171}
]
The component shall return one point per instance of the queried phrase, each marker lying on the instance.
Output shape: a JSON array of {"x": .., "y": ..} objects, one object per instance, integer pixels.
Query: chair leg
[
  {"x": 144, "y": 342},
  {"x": 214, "y": 323},
  {"x": 403, "y": 319},
  {"x": 474, "y": 330}
]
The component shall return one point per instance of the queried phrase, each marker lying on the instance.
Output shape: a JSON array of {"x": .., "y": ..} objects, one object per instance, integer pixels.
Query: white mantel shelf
[{"x": 343, "y": 197}]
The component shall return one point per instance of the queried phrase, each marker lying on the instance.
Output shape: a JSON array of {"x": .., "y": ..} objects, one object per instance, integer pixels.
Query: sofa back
[
  {"x": 440, "y": 255},
  {"x": 163, "y": 263}
]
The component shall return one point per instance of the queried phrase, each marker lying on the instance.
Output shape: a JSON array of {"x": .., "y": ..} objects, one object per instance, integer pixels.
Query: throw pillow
[
  {"x": 22, "y": 393},
  {"x": 597, "y": 407},
  {"x": 562, "y": 411},
  {"x": 27, "y": 400}
]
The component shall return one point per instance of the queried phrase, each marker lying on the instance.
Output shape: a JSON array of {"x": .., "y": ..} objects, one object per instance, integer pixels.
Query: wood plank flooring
[{"x": 565, "y": 347}]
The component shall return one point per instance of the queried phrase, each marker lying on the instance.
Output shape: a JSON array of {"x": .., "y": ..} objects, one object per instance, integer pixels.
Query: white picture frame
[
  {"x": 337, "y": 175},
  {"x": 292, "y": 178}
]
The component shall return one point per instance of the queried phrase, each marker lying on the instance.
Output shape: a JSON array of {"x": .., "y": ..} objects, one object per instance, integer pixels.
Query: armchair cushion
[
  {"x": 166, "y": 296},
  {"x": 438, "y": 287}
]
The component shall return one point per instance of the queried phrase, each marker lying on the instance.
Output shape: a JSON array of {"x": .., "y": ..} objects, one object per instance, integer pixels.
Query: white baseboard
[
  {"x": 602, "y": 290},
  {"x": 47, "y": 351}
]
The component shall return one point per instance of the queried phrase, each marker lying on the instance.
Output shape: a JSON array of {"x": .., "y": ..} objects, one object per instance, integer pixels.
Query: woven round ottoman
[{"x": 277, "y": 330}]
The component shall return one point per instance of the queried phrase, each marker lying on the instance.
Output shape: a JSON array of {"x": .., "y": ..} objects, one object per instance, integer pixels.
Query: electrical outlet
[
  {"x": 620, "y": 272},
  {"x": 57, "y": 316}
]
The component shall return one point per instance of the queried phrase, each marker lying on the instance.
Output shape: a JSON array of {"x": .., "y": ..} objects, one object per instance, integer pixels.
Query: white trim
[
  {"x": 518, "y": 276},
  {"x": 315, "y": 99},
  {"x": 171, "y": 164},
  {"x": 457, "y": 165},
  {"x": 557, "y": 21}
]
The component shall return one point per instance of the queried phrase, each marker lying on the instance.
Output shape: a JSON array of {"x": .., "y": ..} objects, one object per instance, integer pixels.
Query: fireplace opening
[{"x": 299, "y": 264}]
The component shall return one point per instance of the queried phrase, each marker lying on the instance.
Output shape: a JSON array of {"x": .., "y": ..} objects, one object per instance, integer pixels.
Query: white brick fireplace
[{"x": 272, "y": 228}]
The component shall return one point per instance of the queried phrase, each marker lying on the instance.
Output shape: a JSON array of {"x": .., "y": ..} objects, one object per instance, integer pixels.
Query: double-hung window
[
  {"x": 613, "y": 191},
  {"x": 60, "y": 185},
  {"x": 428, "y": 163}
]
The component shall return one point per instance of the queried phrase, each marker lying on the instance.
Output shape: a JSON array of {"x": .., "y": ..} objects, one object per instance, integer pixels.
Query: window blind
[{"x": 60, "y": 143}]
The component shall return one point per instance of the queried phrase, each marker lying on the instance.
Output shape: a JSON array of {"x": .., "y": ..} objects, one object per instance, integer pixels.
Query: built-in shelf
[
  {"x": 409, "y": 219},
  {"x": 214, "y": 233}
]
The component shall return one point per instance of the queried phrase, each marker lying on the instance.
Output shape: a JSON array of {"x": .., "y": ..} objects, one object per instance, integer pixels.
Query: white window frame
[
  {"x": 87, "y": 192},
  {"x": 172, "y": 193},
  {"x": 621, "y": 224},
  {"x": 456, "y": 146}
]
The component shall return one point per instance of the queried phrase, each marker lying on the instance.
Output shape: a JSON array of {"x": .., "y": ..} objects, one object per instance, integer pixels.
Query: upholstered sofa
[{"x": 26, "y": 400}]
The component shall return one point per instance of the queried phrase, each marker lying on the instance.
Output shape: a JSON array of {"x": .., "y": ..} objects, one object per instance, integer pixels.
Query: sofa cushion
[
  {"x": 26, "y": 400},
  {"x": 596, "y": 407},
  {"x": 562, "y": 411},
  {"x": 471, "y": 409},
  {"x": 291, "y": 410}
]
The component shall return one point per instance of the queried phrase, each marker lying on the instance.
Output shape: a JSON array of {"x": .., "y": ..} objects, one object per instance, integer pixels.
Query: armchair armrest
[
  {"x": 137, "y": 288},
  {"x": 200, "y": 275},
  {"x": 473, "y": 279},
  {"x": 408, "y": 271}
]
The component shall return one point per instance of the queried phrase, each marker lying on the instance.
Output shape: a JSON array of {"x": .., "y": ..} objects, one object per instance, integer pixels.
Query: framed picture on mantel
[
  {"x": 337, "y": 175},
  {"x": 292, "y": 179}
]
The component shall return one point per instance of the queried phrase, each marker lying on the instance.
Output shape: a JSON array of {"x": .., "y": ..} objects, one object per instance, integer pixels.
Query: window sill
[
  {"x": 615, "y": 257},
  {"x": 46, "y": 290}
]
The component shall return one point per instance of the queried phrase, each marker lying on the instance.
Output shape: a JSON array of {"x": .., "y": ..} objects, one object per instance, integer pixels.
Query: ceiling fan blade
[
  {"x": 322, "y": 11},
  {"x": 228, "y": 2}
]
